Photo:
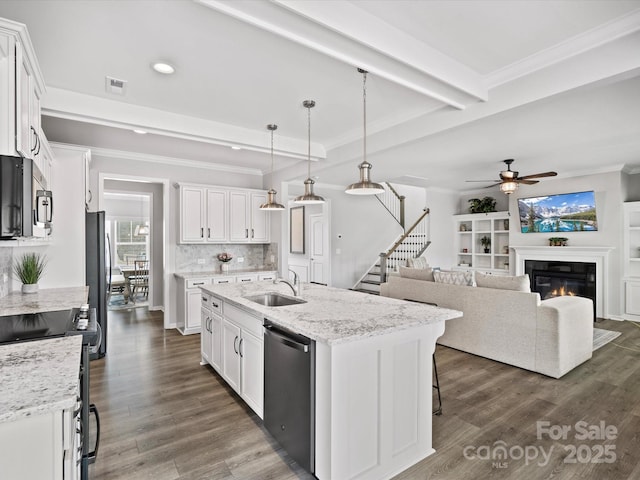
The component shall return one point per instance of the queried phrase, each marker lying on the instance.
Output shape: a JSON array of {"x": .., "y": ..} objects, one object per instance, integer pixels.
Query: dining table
[{"x": 128, "y": 271}]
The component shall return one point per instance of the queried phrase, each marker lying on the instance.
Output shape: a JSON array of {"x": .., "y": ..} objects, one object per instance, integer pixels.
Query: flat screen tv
[{"x": 565, "y": 212}]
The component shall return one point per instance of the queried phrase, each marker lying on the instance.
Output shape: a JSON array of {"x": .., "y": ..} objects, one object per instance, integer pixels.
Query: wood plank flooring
[{"x": 166, "y": 417}]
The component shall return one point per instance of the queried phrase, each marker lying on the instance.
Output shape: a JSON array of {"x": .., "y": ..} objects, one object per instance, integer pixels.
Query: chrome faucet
[{"x": 295, "y": 286}]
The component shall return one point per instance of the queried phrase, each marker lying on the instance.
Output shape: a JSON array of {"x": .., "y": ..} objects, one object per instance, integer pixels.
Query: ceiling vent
[{"x": 115, "y": 86}]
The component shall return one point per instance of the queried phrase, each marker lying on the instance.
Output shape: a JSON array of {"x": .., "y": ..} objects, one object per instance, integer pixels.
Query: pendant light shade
[
  {"x": 272, "y": 203},
  {"x": 309, "y": 198},
  {"x": 365, "y": 186}
]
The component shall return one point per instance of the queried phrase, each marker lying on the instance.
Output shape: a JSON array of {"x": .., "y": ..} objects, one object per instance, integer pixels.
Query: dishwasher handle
[{"x": 285, "y": 339}]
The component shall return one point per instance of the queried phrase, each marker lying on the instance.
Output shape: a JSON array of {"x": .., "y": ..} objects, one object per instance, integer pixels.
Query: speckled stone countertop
[
  {"x": 230, "y": 273},
  {"x": 46, "y": 300},
  {"x": 39, "y": 377},
  {"x": 333, "y": 315}
]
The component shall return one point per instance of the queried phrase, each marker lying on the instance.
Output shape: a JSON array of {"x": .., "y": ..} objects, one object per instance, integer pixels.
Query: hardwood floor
[{"x": 164, "y": 416}]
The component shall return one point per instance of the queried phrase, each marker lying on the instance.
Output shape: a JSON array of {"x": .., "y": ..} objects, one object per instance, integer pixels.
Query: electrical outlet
[
  {"x": 201, "y": 261},
  {"x": 240, "y": 259}
]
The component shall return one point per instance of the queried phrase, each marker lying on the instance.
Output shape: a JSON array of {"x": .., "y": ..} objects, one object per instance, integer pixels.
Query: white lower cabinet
[
  {"x": 189, "y": 303},
  {"x": 41, "y": 446},
  {"x": 232, "y": 344},
  {"x": 632, "y": 297}
]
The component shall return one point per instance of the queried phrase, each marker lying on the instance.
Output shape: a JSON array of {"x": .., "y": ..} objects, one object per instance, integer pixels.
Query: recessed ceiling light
[
  {"x": 139, "y": 132},
  {"x": 234, "y": 147},
  {"x": 165, "y": 68}
]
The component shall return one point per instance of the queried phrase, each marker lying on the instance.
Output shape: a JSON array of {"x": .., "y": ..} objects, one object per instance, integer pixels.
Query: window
[{"x": 131, "y": 243}]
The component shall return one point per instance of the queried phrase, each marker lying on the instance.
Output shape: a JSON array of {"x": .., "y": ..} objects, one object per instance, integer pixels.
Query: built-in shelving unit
[
  {"x": 631, "y": 260},
  {"x": 470, "y": 254}
]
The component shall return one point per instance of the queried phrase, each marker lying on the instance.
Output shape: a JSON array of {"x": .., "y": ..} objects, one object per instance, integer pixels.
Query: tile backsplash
[
  {"x": 6, "y": 259},
  {"x": 203, "y": 258}
]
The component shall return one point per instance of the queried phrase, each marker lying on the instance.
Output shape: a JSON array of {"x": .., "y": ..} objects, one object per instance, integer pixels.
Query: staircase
[{"x": 411, "y": 244}]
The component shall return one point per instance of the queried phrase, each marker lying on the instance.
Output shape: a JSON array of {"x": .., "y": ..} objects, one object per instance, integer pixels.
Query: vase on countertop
[
  {"x": 29, "y": 288},
  {"x": 224, "y": 267}
]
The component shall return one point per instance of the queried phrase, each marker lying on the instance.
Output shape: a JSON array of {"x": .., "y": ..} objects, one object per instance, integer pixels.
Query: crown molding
[{"x": 579, "y": 44}]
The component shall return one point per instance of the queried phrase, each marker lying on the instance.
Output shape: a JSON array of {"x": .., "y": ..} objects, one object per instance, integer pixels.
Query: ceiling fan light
[
  {"x": 508, "y": 187},
  {"x": 271, "y": 204},
  {"x": 365, "y": 186}
]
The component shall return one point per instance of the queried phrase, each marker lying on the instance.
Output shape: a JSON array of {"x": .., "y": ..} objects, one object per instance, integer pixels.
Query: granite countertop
[
  {"x": 39, "y": 377},
  {"x": 218, "y": 273},
  {"x": 333, "y": 315},
  {"x": 45, "y": 300}
]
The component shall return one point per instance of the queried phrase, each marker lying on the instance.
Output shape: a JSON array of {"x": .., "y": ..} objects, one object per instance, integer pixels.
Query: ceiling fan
[{"x": 509, "y": 179}]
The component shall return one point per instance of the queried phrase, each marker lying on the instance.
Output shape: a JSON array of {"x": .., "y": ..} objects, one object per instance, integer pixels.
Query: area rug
[
  {"x": 602, "y": 337},
  {"x": 116, "y": 302}
]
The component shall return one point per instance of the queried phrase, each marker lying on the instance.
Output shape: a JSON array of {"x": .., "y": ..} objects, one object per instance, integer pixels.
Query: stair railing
[
  {"x": 393, "y": 202},
  {"x": 410, "y": 245}
]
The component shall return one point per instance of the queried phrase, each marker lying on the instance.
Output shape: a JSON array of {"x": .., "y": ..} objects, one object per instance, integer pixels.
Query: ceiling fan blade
[
  {"x": 527, "y": 182},
  {"x": 482, "y": 181},
  {"x": 538, "y": 175}
]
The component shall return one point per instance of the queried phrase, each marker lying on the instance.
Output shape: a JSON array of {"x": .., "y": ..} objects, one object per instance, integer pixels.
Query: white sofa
[{"x": 550, "y": 337}]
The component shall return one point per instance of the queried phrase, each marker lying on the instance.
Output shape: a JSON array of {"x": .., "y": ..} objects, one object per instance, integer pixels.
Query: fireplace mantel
[{"x": 597, "y": 255}]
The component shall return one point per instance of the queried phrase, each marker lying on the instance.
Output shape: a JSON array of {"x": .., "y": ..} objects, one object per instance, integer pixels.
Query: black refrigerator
[{"x": 98, "y": 266}]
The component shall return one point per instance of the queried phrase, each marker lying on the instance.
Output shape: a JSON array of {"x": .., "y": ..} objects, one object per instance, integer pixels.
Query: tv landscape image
[{"x": 566, "y": 212}]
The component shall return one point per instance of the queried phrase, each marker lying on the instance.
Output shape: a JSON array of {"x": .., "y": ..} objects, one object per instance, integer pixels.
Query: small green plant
[
  {"x": 30, "y": 267},
  {"x": 486, "y": 243},
  {"x": 484, "y": 205},
  {"x": 558, "y": 241}
]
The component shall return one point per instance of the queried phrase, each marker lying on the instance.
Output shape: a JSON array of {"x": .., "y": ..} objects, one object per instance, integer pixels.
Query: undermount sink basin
[{"x": 274, "y": 300}]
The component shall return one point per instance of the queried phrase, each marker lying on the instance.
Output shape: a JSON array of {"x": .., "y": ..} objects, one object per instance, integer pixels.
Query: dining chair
[{"x": 139, "y": 279}]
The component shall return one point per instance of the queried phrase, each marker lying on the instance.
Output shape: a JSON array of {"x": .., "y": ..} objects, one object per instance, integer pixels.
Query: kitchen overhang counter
[
  {"x": 45, "y": 300},
  {"x": 39, "y": 377},
  {"x": 333, "y": 315},
  {"x": 373, "y": 373}
]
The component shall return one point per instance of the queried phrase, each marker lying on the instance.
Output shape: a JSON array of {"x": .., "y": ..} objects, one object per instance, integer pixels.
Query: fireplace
[{"x": 556, "y": 278}]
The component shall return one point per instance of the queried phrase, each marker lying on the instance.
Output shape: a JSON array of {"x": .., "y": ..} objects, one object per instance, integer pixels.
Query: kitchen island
[{"x": 373, "y": 375}]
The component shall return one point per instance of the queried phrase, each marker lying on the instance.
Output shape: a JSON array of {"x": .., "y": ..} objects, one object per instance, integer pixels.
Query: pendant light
[
  {"x": 271, "y": 204},
  {"x": 309, "y": 197},
  {"x": 365, "y": 186}
]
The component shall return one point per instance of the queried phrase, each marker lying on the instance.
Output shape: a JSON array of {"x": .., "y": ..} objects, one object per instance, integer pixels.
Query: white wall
[
  {"x": 442, "y": 206},
  {"x": 608, "y": 192}
]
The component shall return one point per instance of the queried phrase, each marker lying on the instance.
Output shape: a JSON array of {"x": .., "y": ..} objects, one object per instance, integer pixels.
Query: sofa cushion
[
  {"x": 417, "y": 273},
  {"x": 518, "y": 283},
  {"x": 453, "y": 278},
  {"x": 419, "y": 262}
]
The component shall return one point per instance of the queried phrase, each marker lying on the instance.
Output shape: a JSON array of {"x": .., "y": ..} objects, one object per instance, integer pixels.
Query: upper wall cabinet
[
  {"x": 221, "y": 215},
  {"x": 21, "y": 88},
  {"x": 247, "y": 222}
]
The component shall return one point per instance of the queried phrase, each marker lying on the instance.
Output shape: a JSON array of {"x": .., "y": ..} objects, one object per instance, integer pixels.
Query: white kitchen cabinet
[
  {"x": 231, "y": 354},
  {"x": 211, "y": 331},
  {"x": 203, "y": 215},
  {"x": 206, "y": 332},
  {"x": 21, "y": 87},
  {"x": 225, "y": 279},
  {"x": 40, "y": 446},
  {"x": 248, "y": 224},
  {"x": 245, "y": 278},
  {"x": 189, "y": 304},
  {"x": 267, "y": 276},
  {"x": 252, "y": 369},
  {"x": 216, "y": 342}
]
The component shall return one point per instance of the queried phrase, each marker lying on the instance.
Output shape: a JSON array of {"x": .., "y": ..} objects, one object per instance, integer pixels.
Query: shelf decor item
[
  {"x": 29, "y": 268},
  {"x": 558, "y": 241},
  {"x": 486, "y": 243},
  {"x": 225, "y": 258},
  {"x": 484, "y": 205}
]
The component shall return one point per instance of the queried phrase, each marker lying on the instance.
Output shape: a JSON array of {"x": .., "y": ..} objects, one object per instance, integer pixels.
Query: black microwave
[{"x": 26, "y": 206}]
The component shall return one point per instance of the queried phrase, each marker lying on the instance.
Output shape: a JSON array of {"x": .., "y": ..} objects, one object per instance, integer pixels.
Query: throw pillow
[
  {"x": 454, "y": 278},
  {"x": 419, "y": 262},
  {"x": 417, "y": 273},
  {"x": 518, "y": 283}
]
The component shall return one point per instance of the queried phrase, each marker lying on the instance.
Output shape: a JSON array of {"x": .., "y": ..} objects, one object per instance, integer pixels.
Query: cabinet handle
[
  {"x": 240, "y": 348},
  {"x": 208, "y": 232},
  {"x": 235, "y": 348},
  {"x": 201, "y": 232},
  {"x": 214, "y": 303},
  {"x": 38, "y": 145},
  {"x": 245, "y": 279},
  {"x": 198, "y": 283},
  {"x": 204, "y": 299},
  {"x": 246, "y": 233},
  {"x": 211, "y": 325},
  {"x": 35, "y": 136},
  {"x": 252, "y": 233}
]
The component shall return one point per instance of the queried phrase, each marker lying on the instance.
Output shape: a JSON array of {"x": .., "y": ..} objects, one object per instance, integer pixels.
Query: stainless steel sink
[{"x": 275, "y": 300}]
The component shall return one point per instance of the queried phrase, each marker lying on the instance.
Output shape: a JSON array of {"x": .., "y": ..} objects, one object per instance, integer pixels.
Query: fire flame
[{"x": 561, "y": 292}]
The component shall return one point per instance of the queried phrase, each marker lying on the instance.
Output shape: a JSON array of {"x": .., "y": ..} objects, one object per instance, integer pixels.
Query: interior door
[{"x": 318, "y": 249}]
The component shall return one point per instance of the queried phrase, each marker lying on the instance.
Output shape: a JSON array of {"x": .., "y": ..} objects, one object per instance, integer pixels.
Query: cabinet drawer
[
  {"x": 217, "y": 280},
  {"x": 246, "y": 278},
  {"x": 215, "y": 305},
  {"x": 244, "y": 320},
  {"x": 198, "y": 282},
  {"x": 267, "y": 276}
]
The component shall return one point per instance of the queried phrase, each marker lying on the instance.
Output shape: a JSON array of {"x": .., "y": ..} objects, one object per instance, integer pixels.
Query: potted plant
[
  {"x": 484, "y": 205},
  {"x": 486, "y": 243},
  {"x": 558, "y": 241},
  {"x": 29, "y": 268},
  {"x": 225, "y": 258}
]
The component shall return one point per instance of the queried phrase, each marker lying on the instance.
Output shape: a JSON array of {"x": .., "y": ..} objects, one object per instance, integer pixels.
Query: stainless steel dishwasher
[{"x": 289, "y": 392}]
